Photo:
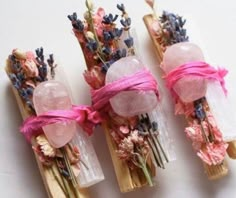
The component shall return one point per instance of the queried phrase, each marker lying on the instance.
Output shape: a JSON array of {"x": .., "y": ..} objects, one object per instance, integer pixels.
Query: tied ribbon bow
[
  {"x": 199, "y": 69},
  {"x": 140, "y": 81},
  {"x": 85, "y": 116}
]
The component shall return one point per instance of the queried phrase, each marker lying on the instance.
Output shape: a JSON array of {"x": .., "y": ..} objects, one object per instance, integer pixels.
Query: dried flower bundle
[
  {"x": 59, "y": 167},
  {"x": 134, "y": 141},
  {"x": 202, "y": 130}
]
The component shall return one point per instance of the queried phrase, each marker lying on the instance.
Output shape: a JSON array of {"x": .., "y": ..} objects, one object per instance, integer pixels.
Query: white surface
[{"x": 30, "y": 24}]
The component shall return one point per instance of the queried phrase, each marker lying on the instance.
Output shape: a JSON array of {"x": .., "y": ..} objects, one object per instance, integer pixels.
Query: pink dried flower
[
  {"x": 95, "y": 78},
  {"x": 213, "y": 153},
  {"x": 194, "y": 132},
  {"x": 124, "y": 129},
  {"x": 97, "y": 19},
  {"x": 29, "y": 65},
  {"x": 215, "y": 130},
  {"x": 126, "y": 149},
  {"x": 136, "y": 138}
]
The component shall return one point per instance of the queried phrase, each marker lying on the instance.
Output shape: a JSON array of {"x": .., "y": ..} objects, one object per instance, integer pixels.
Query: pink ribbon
[
  {"x": 199, "y": 69},
  {"x": 140, "y": 81},
  {"x": 85, "y": 116}
]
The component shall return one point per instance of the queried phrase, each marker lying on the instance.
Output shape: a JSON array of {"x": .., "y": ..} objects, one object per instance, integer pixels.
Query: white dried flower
[
  {"x": 45, "y": 147},
  {"x": 86, "y": 15},
  {"x": 90, "y": 35}
]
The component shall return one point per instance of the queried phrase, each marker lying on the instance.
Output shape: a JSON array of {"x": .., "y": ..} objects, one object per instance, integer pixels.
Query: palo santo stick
[
  {"x": 53, "y": 189},
  {"x": 213, "y": 171},
  {"x": 232, "y": 150}
]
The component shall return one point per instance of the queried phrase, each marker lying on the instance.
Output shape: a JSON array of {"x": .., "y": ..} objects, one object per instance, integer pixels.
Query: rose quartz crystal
[
  {"x": 189, "y": 88},
  {"x": 53, "y": 95},
  {"x": 129, "y": 103}
]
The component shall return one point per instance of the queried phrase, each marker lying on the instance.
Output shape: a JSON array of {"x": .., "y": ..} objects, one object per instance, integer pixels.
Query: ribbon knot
[{"x": 87, "y": 117}]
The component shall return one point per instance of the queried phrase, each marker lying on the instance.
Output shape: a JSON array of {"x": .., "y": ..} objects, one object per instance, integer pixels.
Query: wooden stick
[
  {"x": 214, "y": 171},
  {"x": 52, "y": 187},
  {"x": 128, "y": 180}
]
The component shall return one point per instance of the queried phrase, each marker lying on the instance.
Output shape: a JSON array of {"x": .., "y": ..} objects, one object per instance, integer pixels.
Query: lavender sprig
[{"x": 173, "y": 30}]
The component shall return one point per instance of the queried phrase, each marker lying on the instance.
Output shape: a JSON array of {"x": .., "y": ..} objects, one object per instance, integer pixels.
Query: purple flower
[{"x": 129, "y": 42}]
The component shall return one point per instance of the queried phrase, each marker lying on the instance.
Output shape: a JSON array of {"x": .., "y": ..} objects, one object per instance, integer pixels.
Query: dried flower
[
  {"x": 213, "y": 153},
  {"x": 94, "y": 77},
  {"x": 90, "y": 35},
  {"x": 126, "y": 149},
  {"x": 136, "y": 138},
  {"x": 19, "y": 54},
  {"x": 194, "y": 132},
  {"x": 124, "y": 129},
  {"x": 45, "y": 147},
  {"x": 30, "y": 68}
]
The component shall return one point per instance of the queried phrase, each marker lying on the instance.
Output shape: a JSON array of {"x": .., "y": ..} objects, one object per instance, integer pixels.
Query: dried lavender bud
[
  {"x": 109, "y": 19},
  {"x": 29, "y": 91},
  {"x": 125, "y": 22},
  {"x": 105, "y": 67},
  {"x": 106, "y": 50},
  {"x": 92, "y": 45},
  {"x": 24, "y": 94},
  {"x": 121, "y": 7},
  {"x": 107, "y": 36},
  {"x": 129, "y": 42},
  {"x": 43, "y": 72},
  {"x": 119, "y": 54},
  {"x": 50, "y": 60},
  {"x": 118, "y": 32},
  {"x": 173, "y": 24},
  {"x": 154, "y": 126},
  {"x": 199, "y": 111},
  {"x": 20, "y": 76}
]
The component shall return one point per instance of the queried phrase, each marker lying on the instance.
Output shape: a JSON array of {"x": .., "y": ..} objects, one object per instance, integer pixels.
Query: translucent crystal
[
  {"x": 53, "y": 95},
  {"x": 222, "y": 110},
  {"x": 189, "y": 88},
  {"x": 129, "y": 103},
  {"x": 159, "y": 115}
]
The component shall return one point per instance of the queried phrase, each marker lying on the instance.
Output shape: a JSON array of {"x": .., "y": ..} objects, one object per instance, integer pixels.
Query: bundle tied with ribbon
[
  {"x": 126, "y": 96},
  {"x": 198, "y": 89}
]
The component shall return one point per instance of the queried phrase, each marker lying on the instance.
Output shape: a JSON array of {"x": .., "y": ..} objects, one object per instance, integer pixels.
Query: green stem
[
  {"x": 145, "y": 170},
  {"x": 66, "y": 185},
  {"x": 68, "y": 166}
]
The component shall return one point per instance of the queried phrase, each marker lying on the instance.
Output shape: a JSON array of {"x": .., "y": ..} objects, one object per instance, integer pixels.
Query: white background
[{"x": 28, "y": 24}]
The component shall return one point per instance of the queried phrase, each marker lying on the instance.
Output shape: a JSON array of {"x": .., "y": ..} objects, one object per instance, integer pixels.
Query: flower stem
[
  {"x": 145, "y": 170},
  {"x": 58, "y": 179}
]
